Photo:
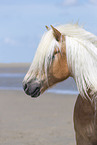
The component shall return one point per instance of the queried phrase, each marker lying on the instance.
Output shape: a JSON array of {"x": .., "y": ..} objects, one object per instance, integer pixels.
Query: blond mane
[{"x": 81, "y": 48}]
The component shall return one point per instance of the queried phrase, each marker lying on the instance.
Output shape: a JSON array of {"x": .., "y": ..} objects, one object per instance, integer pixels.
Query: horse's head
[{"x": 49, "y": 65}]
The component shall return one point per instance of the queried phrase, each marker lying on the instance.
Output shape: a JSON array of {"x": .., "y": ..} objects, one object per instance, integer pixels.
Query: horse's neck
[{"x": 80, "y": 67}]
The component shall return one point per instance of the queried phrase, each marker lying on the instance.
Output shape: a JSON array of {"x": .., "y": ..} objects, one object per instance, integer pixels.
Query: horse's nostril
[{"x": 24, "y": 86}]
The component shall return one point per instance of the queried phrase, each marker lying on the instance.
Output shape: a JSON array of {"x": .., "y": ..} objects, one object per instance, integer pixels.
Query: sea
[{"x": 11, "y": 78}]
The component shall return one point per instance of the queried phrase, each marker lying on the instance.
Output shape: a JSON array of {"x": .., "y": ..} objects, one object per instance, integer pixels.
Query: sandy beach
[{"x": 46, "y": 120}]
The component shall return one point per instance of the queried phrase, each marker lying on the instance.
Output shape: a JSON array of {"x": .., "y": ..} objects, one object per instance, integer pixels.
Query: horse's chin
[{"x": 37, "y": 94}]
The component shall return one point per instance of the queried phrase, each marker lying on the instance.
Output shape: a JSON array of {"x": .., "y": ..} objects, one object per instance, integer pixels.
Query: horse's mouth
[{"x": 36, "y": 93}]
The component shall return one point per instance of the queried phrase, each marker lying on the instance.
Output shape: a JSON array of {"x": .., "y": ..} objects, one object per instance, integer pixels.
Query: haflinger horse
[{"x": 68, "y": 51}]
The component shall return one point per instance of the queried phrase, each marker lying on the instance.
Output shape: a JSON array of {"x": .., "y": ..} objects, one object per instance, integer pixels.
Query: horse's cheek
[{"x": 57, "y": 69}]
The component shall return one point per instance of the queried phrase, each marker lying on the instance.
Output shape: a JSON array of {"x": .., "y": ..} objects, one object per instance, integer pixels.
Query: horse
[{"x": 68, "y": 51}]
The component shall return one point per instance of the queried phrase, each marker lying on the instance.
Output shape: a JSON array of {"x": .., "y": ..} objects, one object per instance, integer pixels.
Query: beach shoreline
[
  {"x": 12, "y": 75},
  {"x": 14, "y": 67}
]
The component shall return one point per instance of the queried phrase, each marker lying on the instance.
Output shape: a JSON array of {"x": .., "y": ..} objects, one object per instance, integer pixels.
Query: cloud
[
  {"x": 69, "y": 2},
  {"x": 9, "y": 41},
  {"x": 93, "y": 1}
]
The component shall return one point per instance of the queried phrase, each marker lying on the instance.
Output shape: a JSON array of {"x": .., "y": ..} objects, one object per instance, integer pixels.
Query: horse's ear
[
  {"x": 47, "y": 28},
  {"x": 56, "y": 33}
]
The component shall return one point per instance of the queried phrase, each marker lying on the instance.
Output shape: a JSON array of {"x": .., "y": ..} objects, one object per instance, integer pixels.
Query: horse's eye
[{"x": 54, "y": 55}]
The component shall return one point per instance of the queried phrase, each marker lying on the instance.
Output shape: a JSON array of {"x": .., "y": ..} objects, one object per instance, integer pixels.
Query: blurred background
[{"x": 22, "y": 23}]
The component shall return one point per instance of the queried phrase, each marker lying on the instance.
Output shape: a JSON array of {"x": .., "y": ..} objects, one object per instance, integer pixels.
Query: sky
[{"x": 22, "y": 23}]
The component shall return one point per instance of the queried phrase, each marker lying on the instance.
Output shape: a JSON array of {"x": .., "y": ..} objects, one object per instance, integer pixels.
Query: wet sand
[{"x": 46, "y": 120}]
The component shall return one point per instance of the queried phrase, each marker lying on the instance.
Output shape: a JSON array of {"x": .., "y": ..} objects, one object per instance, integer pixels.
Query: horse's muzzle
[{"x": 32, "y": 89}]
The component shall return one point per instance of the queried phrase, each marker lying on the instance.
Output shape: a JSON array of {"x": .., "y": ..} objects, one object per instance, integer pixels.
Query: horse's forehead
[{"x": 47, "y": 43}]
